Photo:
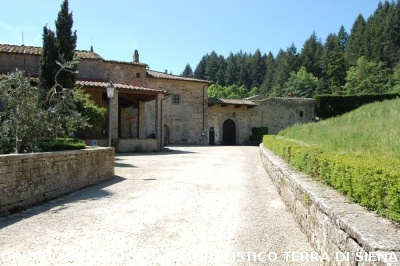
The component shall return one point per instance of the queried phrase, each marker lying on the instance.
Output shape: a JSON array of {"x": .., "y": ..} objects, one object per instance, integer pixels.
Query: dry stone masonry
[
  {"x": 28, "y": 179},
  {"x": 344, "y": 232}
]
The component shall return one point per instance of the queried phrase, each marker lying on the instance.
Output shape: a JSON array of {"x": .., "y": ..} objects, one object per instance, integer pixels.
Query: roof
[
  {"x": 103, "y": 84},
  {"x": 33, "y": 50},
  {"x": 161, "y": 75},
  {"x": 259, "y": 97},
  {"x": 126, "y": 63},
  {"x": 235, "y": 102}
]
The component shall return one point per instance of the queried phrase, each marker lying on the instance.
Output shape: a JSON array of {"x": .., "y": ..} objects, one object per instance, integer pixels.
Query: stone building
[{"x": 151, "y": 108}]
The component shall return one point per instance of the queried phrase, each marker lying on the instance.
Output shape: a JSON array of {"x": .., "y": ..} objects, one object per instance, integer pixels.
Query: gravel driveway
[{"x": 209, "y": 205}]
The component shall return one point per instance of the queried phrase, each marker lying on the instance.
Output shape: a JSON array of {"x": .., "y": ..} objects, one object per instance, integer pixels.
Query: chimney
[
  {"x": 91, "y": 48},
  {"x": 136, "y": 56}
]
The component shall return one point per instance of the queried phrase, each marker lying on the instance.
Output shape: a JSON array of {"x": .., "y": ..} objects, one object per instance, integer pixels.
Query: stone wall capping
[{"x": 331, "y": 221}]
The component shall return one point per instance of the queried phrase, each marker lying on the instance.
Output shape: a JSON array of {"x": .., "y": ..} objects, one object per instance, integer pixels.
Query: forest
[{"x": 364, "y": 60}]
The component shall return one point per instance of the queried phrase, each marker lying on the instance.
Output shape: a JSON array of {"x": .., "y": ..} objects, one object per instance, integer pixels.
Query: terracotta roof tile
[
  {"x": 156, "y": 74},
  {"x": 128, "y": 63},
  {"x": 103, "y": 84},
  {"x": 212, "y": 101},
  {"x": 32, "y": 50}
]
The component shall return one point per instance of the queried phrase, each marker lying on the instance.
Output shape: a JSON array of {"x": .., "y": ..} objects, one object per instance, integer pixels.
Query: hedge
[
  {"x": 369, "y": 180},
  {"x": 258, "y": 133},
  {"x": 61, "y": 144},
  {"x": 327, "y": 106}
]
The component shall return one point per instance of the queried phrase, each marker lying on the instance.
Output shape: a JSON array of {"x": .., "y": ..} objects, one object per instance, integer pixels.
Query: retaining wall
[
  {"x": 345, "y": 232},
  {"x": 28, "y": 179}
]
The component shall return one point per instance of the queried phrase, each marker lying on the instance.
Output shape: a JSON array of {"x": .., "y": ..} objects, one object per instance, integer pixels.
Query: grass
[{"x": 371, "y": 129}]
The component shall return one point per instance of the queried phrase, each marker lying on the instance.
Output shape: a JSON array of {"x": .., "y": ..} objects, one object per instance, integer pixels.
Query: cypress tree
[
  {"x": 66, "y": 44},
  {"x": 48, "y": 67}
]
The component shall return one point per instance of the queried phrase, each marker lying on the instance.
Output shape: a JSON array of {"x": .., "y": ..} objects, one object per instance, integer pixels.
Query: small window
[
  {"x": 138, "y": 75},
  {"x": 175, "y": 99},
  {"x": 301, "y": 114}
]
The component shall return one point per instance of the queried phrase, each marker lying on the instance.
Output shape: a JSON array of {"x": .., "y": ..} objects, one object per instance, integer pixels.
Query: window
[
  {"x": 175, "y": 99},
  {"x": 138, "y": 75},
  {"x": 301, "y": 113}
]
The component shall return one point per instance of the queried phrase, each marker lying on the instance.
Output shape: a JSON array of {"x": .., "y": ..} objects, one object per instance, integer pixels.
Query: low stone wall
[
  {"x": 132, "y": 145},
  {"x": 28, "y": 179},
  {"x": 342, "y": 232}
]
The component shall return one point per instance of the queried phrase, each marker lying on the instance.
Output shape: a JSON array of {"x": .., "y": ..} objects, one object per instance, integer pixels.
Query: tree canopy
[{"x": 332, "y": 63}]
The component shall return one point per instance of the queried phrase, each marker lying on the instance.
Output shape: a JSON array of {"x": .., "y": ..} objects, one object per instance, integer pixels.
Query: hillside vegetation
[
  {"x": 372, "y": 129},
  {"x": 358, "y": 154}
]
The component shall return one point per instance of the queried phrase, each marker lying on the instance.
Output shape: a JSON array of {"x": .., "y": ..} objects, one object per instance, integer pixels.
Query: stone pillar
[
  {"x": 158, "y": 125},
  {"x": 114, "y": 116},
  {"x": 142, "y": 120}
]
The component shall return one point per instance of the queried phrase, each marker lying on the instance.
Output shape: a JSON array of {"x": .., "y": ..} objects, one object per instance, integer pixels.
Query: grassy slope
[{"x": 371, "y": 129}]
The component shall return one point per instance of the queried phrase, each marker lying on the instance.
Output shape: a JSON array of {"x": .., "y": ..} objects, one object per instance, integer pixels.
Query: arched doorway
[{"x": 229, "y": 132}]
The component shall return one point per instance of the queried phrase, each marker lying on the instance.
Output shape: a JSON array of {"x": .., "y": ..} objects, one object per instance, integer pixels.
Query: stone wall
[
  {"x": 186, "y": 120},
  {"x": 280, "y": 113},
  {"x": 25, "y": 62},
  {"x": 242, "y": 116},
  {"x": 28, "y": 179},
  {"x": 344, "y": 231}
]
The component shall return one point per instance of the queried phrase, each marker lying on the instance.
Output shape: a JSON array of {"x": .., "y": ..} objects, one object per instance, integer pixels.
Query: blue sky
[{"x": 171, "y": 33}]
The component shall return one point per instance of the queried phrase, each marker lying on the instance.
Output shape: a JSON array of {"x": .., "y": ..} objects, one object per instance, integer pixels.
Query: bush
[
  {"x": 259, "y": 131},
  {"x": 370, "y": 180},
  {"x": 60, "y": 144},
  {"x": 256, "y": 137}
]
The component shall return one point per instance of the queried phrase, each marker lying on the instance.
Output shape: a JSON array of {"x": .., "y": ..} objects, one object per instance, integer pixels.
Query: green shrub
[
  {"x": 372, "y": 181},
  {"x": 259, "y": 131},
  {"x": 60, "y": 144},
  {"x": 256, "y": 137}
]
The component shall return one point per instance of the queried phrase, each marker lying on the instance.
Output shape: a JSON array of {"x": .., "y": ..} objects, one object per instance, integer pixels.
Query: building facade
[{"x": 150, "y": 108}]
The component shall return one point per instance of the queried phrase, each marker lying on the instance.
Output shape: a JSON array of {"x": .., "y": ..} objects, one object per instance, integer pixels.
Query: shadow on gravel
[
  {"x": 165, "y": 151},
  {"x": 126, "y": 165},
  {"x": 56, "y": 205}
]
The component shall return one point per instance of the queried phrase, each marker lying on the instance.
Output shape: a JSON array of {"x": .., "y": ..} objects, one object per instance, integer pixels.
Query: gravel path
[{"x": 186, "y": 206}]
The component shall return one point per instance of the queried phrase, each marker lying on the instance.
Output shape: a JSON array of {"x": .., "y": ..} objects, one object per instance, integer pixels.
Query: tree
[
  {"x": 343, "y": 37},
  {"x": 333, "y": 64},
  {"x": 25, "y": 123},
  {"x": 355, "y": 47},
  {"x": 200, "y": 71},
  {"x": 301, "y": 84},
  {"x": 58, "y": 47},
  {"x": 66, "y": 44},
  {"x": 310, "y": 56},
  {"x": 266, "y": 86},
  {"x": 257, "y": 69},
  {"x": 231, "y": 70},
  {"x": 366, "y": 77},
  {"x": 48, "y": 58},
  {"x": 187, "y": 72}
]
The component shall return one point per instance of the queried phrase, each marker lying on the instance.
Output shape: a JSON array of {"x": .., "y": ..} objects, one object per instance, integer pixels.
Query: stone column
[
  {"x": 158, "y": 126},
  {"x": 114, "y": 116},
  {"x": 142, "y": 120}
]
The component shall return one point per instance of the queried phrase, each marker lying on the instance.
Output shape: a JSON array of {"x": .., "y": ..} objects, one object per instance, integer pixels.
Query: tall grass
[{"x": 372, "y": 129}]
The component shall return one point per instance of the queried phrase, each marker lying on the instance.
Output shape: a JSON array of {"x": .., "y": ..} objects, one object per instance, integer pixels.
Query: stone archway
[{"x": 229, "y": 132}]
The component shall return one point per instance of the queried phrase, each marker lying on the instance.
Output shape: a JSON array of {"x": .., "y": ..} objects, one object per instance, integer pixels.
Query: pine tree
[
  {"x": 187, "y": 72},
  {"x": 231, "y": 70},
  {"x": 257, "y": 69},
  {"x": 266, "y": 86},
  {"x": 310, "y": 56},
  {"x": 355, "y": 47},
  {"x": 200, "y": 71}
]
